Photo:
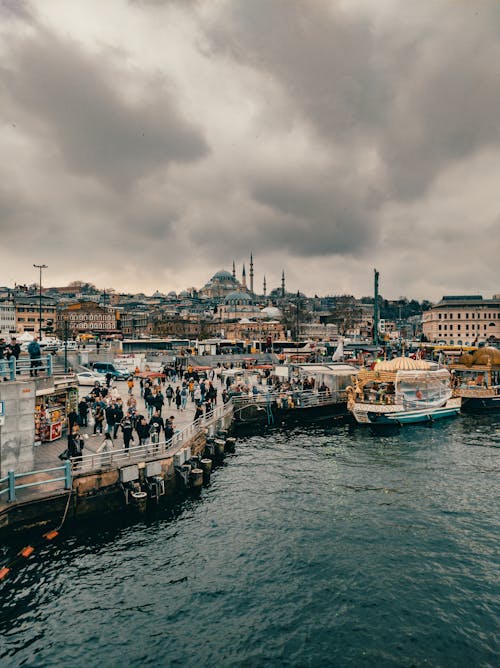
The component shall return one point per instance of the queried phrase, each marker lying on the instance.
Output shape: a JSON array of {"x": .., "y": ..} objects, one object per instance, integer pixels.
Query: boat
[
  {"x": 295, "y": 392},
  {"x": 313, "y": 391},
  {"x": 402, "y": 391},
  {"x": 476, "y": 380}
]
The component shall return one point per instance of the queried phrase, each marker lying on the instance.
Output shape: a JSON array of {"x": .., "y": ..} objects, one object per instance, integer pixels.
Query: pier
[{"x": 37, "y": 488}]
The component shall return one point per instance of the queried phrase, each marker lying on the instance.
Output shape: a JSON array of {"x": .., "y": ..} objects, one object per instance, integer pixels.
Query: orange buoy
[
  {"x": 3, "y": 572},
  {"x": 51, "y": 534},
  {"x": 27, "y": 551}
]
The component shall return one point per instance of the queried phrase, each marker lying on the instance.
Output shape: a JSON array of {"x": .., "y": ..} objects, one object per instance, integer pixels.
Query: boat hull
[
  {"x": 476, "y": 405},
  {"x": 396, "y": 415}
]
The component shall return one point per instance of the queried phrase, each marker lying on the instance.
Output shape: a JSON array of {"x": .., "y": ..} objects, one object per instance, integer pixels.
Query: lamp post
[{"x": 41, "y": 267}]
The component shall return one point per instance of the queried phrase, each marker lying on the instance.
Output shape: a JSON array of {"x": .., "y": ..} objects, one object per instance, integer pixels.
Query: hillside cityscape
[{"x": 232, "y": 308}]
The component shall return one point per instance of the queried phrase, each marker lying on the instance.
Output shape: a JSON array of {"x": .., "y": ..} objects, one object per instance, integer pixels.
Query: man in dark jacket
[
  {"x": 127, "y": 427},
  {"x": 13, "y": 349},
  {"x": 34, "y": 353},
  {"x": 142, "y": 429},
  {"x": 118, "y": 408},
  {"x": 83, "y": 411},
  {"x": 110, "y": 418}
]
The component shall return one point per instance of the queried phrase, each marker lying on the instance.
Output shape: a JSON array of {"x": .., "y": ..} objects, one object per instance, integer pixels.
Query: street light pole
[{"x": 40, "y": 266}]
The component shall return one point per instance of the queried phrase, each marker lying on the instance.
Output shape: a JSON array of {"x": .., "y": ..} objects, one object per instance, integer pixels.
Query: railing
[
  {"x": 13, "y": 487},
  {"x": 12, "y": 368},
  {"x": 111, "y": 459},
  {"x": 290, "y": 399},
  {"x": 307, "y": 399}
]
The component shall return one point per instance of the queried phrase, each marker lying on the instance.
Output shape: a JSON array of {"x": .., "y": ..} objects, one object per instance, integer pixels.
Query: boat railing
[{"x": 309, "y": 398}]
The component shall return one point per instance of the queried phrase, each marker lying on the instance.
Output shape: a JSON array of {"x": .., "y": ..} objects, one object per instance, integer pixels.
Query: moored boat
[
  {"x": 402, "y": 391},
  {"x": 478, "y": 384}
]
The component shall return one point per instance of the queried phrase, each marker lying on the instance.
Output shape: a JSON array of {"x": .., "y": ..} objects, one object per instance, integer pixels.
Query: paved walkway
[{"x": 47, "y": 454}]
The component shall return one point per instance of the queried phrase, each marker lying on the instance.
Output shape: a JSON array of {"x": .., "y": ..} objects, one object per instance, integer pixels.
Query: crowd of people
[{"x": 105, "y": 413}]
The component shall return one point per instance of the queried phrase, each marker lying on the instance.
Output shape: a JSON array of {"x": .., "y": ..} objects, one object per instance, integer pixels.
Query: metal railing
[
  {"x": 308, "y": 399},
  {"x": 12, "y": 487},
  {"x": 112, "y": 459},
  {"x": 290, "y": 399},
  {"x": 13, "y": 368}
]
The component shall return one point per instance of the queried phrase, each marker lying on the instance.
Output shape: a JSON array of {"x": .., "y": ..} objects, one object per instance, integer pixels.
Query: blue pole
[
  {"x": 12, "y": 485},
  {"x": 12, "y": 368},
  {"x": 49, "y": 365},
  {"x": 67, "y": 475}
]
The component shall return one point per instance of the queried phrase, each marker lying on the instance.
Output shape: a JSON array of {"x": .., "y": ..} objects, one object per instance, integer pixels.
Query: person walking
[
  {"x": 98, "y": 418},
  {"x": 198, "y": 413},
  {"x": 130, "y": 385},
  {"x": 169, "y": 393},
  {"x": 127, "y": 431},
  {"x": 118, "y": 407},
  {"x": 83, "y": 411},
  {"x": 184, "y": 397},
  {"x": 34, "y": 353},
  {"x": 178, "y": 398},
  {"x": 159, "y": 401},
  {"x": 110, "y": 418},
  {"x": 142, "y": 429}
]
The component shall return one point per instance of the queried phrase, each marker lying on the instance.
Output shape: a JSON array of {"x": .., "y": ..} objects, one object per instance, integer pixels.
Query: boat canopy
[
  {"x": 402, "y": 363},
  {"x": 423, "y": 389}
]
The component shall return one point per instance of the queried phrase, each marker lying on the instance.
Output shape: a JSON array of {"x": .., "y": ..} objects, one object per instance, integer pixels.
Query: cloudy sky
[{"x": 146, "y": 143}]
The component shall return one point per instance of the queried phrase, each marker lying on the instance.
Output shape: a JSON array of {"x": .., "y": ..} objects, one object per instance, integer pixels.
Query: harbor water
[{"x": 312, "y": 546}]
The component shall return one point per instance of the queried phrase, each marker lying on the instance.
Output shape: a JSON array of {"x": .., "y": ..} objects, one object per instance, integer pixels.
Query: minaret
[
  {"x": 283, "y": 283},
  {"x": 244, "y": 278},
  {"x": 251, "y": 273},
  {"x": 264, "y": 286},
  {"x": 234, "y": 270}
]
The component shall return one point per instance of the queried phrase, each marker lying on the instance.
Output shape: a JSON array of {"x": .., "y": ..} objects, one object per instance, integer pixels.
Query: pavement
[{"x": 47, "y": 454}]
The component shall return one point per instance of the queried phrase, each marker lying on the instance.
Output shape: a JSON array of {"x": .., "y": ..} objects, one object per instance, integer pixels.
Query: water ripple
[{"x": 319, "y": 546}]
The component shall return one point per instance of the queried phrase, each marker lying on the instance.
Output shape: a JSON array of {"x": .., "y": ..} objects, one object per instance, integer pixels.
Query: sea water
[{"x": 312, "y": 546}]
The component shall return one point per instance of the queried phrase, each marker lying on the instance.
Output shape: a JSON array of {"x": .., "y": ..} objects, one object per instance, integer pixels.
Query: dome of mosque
[
  {"x": 238, "y": 297},
  {"x": 271, "y": 312},
  {"x": 223, "y": 275}
]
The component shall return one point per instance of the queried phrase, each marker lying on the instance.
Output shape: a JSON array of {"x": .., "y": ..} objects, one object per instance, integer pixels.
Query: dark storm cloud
[
  {"x": 319, "y": 218},
  {"x": 423, "y": 95},
  {"x": 73, "y": 99},
  {"x": 15, "y": 9}
]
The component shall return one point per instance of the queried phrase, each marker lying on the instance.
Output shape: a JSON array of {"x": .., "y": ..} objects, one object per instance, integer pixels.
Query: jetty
[{"x": 38, "y": 488}]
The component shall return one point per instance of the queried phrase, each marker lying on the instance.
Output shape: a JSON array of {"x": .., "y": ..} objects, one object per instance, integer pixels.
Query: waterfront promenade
[{"x": 52, "y": 477}]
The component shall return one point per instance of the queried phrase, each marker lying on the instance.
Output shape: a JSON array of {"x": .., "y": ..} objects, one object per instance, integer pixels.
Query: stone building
[{"x": 463, "y": 320}]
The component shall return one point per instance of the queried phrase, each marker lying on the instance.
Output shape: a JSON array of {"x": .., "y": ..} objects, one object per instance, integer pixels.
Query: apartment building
[{"x": 463, "y": 320}]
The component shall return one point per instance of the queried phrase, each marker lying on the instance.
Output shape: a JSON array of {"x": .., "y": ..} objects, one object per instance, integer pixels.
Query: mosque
[{"x": 223, "y": 284}]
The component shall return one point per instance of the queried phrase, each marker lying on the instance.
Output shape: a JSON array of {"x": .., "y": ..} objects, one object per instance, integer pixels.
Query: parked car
[
  {"x": 104, "y": 368},
  {"x": 89, "y": 378}
]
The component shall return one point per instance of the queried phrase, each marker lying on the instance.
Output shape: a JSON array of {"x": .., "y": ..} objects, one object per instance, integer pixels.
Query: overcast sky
[{"x": 146, "y": 143}]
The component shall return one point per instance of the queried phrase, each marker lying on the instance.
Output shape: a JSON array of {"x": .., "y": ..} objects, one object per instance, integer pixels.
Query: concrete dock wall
[{"x": 17, "y": 433}]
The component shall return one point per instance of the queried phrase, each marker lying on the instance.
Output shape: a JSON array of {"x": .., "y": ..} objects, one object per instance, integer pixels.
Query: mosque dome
[
  {"x": 223, "y": 275},
  {"x": 238, "y": 298},
  {"x": 271, "y": 312}
]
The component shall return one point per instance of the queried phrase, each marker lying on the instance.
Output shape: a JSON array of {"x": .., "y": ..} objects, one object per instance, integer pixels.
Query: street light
[{"x": 40, "y": 266}]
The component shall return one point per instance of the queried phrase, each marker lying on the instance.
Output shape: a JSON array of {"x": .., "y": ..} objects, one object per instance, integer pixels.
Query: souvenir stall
[{"x": 51, "y": 413}]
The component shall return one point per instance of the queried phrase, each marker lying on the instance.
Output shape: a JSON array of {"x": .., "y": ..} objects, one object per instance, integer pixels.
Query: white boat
[{"x": 402, "y": 391}]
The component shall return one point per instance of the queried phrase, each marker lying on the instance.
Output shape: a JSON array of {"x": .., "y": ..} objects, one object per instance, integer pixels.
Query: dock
[{"x": 103, "y": 482}]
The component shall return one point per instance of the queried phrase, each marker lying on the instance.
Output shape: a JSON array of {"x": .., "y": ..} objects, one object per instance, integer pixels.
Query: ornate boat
[
  {"x": 476, "y": 379},
  {"x": 402, "y": 391}
]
